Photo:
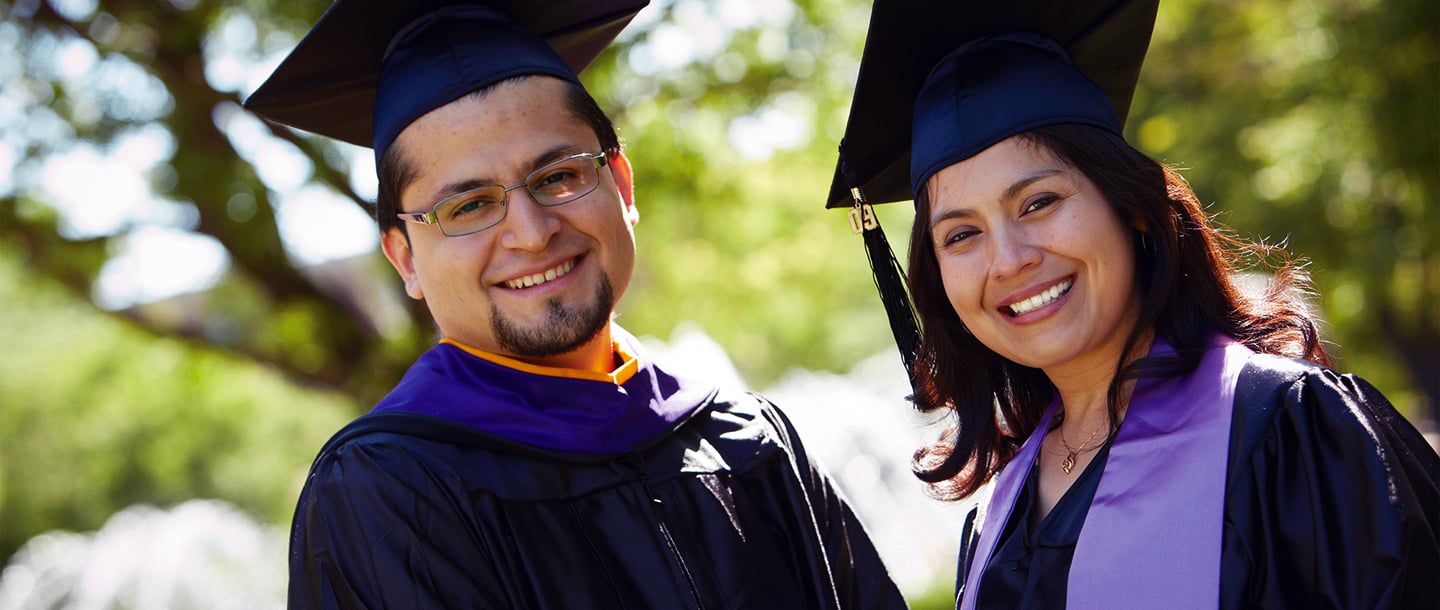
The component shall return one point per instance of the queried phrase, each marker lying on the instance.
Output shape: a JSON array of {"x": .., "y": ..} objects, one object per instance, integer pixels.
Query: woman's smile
[{"x": 1049, "y": 296}]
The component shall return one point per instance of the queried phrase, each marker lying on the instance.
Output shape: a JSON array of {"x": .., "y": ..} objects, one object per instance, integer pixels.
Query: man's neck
[
  {"x": 596, "y": 355},
  {"x": 600, "y": 355}
]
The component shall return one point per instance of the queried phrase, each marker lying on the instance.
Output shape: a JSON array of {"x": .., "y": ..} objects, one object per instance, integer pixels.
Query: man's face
[{"x": 539, "y": 286}]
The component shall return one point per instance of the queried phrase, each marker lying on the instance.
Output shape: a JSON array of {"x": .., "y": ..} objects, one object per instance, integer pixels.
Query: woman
[{"x": 1143, "y": 432}]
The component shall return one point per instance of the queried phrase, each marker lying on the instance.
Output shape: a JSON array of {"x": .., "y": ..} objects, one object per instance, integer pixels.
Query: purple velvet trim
[
  {"x": 563, "y": 414},
  {"x": 1152, "y": 537}
]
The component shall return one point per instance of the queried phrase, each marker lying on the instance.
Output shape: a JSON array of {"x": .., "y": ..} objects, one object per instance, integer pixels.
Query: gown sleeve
[
  {"x": 1334, "y": 502},
  {"x": 861, "y": 579},
  {"x": 378, "y": 526}
]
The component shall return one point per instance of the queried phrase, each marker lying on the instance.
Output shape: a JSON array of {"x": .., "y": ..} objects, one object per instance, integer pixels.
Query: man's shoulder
[
  {"x": 396, "y": 440},
  {"x": 740, "y": 401},
  {"x": 741, "y": 408},
  {"x": 406, "y": 429},
  {"x": 743, "y": 423}
]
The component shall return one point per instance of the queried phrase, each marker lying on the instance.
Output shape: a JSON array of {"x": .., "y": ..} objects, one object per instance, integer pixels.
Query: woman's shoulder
[
  {"x": 1322, "y": 463},
  {"x": 1297, "y": 403},
  {"x": 1275, "y": 392}
]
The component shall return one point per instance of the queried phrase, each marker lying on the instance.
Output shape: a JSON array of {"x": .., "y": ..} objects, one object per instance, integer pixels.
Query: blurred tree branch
[{"x": 336, "y": 343}]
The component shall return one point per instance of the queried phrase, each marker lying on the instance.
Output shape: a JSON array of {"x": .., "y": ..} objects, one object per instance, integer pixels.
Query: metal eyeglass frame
[{"x": 432, "y": 217}]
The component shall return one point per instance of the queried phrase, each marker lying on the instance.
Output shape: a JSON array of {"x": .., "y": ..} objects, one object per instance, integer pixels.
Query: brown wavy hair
[{"x": 1186, "y": 273}]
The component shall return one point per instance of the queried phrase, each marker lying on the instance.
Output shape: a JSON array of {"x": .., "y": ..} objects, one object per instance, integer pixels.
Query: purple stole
[{"x": 1152, "y": 537}]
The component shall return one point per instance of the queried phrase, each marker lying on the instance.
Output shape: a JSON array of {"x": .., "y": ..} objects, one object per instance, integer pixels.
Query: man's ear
[
  {"x": 624, "y": 180},
  {"x": 397, "y": 249}
]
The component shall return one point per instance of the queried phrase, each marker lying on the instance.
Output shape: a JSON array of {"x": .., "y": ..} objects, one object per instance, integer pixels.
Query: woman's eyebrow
[
  {"x": 1020, "y": 184},
  {"x": 1010, "y": 193}
]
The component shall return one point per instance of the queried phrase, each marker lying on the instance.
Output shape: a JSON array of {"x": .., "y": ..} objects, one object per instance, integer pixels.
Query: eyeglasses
[{"x": 483, "y": 207}]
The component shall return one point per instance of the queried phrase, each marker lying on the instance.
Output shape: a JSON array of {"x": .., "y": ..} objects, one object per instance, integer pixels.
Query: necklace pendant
[{"x": 1069, "y": 463}]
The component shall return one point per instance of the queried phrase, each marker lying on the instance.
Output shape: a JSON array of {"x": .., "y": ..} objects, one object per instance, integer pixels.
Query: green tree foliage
[
  {"x": 1315, "y": 123},
  {"x": 96, "y": 415}
]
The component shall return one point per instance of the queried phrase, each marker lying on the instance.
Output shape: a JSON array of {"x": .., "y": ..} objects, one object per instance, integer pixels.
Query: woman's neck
[{"x": 1084, "y": 387}]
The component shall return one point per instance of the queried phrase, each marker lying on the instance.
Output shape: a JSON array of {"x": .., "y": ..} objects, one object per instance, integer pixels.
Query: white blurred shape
[
  {"x": 156, "y": 263},
  {"x": 705, "y": 34},
  {"x": 7, "y": 168},
  {"x": 96, "y": 195},
  {"x": 75, "y": 58},
  {"x": 75, "y": 10},
  {"x": 226, "y": 66},
  {"x": 692, "y": 354},
  {"x": 319, "y": 225},
  {"x": 759, "y": 136},
  {"x": 127, "y": 91},
  {"x": 100, "y": 194},
  {"x": 140, "y": 148},
  {"x": 280, "y": 165},
  {"x": 362, "y": 173},
  {"x": 671, "y": 47},
  {"x": 200, "y": 554}
]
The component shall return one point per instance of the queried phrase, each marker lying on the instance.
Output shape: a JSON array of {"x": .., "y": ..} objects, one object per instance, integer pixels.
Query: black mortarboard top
[
  {"x": 370, "y": 67},
  {"x": 973, "y": 73}
]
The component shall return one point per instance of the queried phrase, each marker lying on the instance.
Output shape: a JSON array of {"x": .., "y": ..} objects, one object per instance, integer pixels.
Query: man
[{"x": 536, "y": 457}]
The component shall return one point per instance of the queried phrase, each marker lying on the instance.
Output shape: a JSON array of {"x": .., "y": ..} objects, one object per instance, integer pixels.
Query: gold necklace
[{"x": 1068, "y": 463}]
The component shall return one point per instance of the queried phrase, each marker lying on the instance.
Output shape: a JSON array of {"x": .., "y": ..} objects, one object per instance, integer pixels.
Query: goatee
[{"x": 564, "y": 329}]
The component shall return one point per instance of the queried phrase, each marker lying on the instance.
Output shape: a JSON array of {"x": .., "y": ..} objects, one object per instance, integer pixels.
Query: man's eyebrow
[
  {"x": 555, "y": 154},
  {"x": 455, "y": 188},
  {"x": 460, "y": 186}
]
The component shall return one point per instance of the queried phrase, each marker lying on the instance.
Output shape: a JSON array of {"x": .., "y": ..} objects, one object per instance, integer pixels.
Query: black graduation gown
[
  {"x": 726, "y": 510},
  {"x": 1332, "y": 501}
]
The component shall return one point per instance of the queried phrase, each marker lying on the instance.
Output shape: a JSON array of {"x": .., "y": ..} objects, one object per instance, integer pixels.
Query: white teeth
[
  {"x": 541, "y": 278},
  {"x": 1042, "y": 299}
]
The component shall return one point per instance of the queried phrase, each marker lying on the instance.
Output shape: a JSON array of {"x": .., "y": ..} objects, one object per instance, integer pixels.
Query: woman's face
[{"x": 1034, "y": 259}]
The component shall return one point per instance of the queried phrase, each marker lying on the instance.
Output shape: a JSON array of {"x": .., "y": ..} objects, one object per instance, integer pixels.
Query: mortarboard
[
  {"x": 970, "y": 71},
  {"x": 368, "y": 68}
]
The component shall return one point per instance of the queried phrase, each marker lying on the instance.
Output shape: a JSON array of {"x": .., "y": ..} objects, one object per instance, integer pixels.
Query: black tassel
[
  {"x": 889, "y": 275},
  {"x": 890, "y": 282}
]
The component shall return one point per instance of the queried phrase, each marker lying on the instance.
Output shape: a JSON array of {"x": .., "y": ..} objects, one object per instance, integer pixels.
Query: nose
[
  {"x": 1012, "y": 252},
  {"x": 528, "y": 225}
]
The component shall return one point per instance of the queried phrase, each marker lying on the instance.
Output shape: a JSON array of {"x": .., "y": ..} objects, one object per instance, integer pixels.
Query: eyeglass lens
[{"x": 561, "y": 182}]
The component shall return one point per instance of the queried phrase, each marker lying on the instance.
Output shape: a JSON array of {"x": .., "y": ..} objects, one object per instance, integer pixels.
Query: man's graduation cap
[
  {"x": 371, "y": 67},
  {"x": 947, "y": 79}
]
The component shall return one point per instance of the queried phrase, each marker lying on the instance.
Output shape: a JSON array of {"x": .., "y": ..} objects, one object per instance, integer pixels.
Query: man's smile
[{"x": 536, "y": 279}]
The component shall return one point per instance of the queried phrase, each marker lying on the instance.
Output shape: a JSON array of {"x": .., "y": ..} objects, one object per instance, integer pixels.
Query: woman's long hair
[{"x": 1185, "y": 274}]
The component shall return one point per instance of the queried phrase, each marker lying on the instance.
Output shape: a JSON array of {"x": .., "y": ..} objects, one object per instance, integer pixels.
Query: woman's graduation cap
[
  {"x": 371, "y": 67},
  {"x": 952, "y": 78}
]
